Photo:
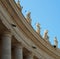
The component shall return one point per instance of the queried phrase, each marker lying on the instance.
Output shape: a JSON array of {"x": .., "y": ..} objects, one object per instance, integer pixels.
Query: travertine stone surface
[
  {"x": 29, "y": 56},
  {"x": 6, "y": 45},
  {"x": 18, "y": 52}
]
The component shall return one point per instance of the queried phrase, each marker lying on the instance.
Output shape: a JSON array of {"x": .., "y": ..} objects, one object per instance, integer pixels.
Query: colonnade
[{"x": 7, "y": 48}]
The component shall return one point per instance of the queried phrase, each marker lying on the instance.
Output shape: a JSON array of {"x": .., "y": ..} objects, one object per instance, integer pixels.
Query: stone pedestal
[{"x": 6, "y": 45}]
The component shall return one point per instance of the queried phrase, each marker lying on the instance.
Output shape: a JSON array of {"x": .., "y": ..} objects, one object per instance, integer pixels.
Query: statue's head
[
  {"x": 46, "y": 31},
  {"x": 37, "y": 24},
  {"x": 28, "y": 14}
]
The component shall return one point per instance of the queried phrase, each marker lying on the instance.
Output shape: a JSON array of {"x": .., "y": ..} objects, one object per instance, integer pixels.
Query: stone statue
[
  {"x": 46, "y": 37},
  {"x": 28, "y": 17},
  {"x": 18, "y": 3},
  {"x": 19, "y": 6},
  {"x": 55, "y": 42},
  {"x": 38, "y": 28}
]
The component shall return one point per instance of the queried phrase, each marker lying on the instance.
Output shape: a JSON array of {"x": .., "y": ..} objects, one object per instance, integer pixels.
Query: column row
[{"x": 6, "y": 48}]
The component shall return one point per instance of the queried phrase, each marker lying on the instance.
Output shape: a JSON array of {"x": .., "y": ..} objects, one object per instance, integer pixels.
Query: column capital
[
  {"x": 7, "y": 33},
  {"x": 18, "y": 45},
  {"x": 30, "y": 54}
]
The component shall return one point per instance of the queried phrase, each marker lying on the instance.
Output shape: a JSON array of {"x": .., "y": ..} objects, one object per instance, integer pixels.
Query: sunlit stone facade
[{"x": 18, "y": 40}]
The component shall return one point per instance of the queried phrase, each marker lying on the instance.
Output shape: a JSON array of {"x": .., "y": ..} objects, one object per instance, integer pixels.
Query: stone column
[
  {"x": 6, "y": 45},
  {"x": 29, "y": 56},
  {"x": 18, "y": 52}
]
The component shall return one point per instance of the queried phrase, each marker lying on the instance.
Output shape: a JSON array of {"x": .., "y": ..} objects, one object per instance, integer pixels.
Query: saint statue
[
  {"x": 38, "y": 28},
  {"x": 28, "y": 17},
  {"x": 55, "y": 42},
  {"x": 46, "y": 37}
]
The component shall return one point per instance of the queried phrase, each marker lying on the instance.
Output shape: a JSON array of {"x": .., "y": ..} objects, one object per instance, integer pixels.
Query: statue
[
  {"x": 19, "y": 6},
  {"x": 55, "y": 42},
  {"x": 38, "y": 28},
  {"x": 28, "y": 17},
  {"x": 46, "y": 37},
  {"x": 18, "y": 3}
]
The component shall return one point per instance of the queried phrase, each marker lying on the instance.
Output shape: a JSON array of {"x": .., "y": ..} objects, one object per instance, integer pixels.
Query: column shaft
[
  {"x": 18, "y": 52},
  {"x": 6, "y": 46},
  {"x": 29, "y": 56}
]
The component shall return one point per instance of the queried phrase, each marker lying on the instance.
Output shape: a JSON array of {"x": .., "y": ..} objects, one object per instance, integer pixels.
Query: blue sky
[{"x": 47, "y": 13}]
